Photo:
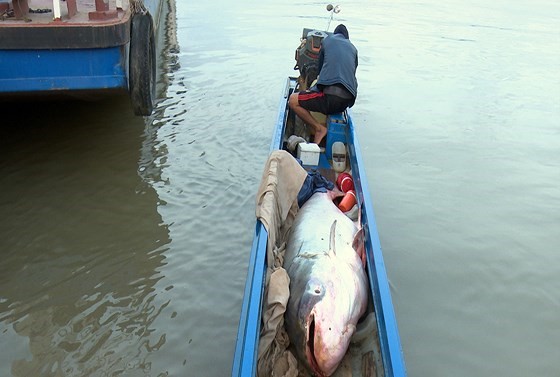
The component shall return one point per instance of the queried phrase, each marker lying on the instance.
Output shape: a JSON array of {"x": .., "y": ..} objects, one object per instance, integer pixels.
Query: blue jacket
[{"x": 338, "y": 61}]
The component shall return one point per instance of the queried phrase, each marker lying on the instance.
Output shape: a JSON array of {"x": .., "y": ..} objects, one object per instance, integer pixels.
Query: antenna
[{"x": 333, "y": 10}]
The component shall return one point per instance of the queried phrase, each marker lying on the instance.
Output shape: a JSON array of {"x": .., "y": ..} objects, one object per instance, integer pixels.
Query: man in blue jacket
[{"x": 336, "y": 87}]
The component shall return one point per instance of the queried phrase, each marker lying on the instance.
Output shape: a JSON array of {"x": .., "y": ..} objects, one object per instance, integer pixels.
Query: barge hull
[{"x": 55, "y": 70}]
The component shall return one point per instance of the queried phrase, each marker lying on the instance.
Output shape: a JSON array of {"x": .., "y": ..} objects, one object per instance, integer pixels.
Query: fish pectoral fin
[
  {"x": 350, "y": 329},
  {"x": 359, "y": 246},
  {"x": 331, "y": 238}
]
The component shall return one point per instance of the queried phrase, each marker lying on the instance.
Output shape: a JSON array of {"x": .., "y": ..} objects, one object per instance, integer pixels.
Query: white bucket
[{"x": 339, "y": 156}]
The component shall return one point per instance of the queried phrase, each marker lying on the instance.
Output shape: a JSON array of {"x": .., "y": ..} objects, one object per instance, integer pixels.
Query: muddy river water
[{"x": 124, "y": 241}]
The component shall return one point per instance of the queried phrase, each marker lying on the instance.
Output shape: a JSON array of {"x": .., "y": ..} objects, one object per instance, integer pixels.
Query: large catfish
[{"x": 328, "y": 288}]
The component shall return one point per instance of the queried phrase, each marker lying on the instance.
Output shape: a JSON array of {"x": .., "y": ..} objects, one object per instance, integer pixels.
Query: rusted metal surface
[
  {"x": 20, "y": 7},
  {"x": 78, "y": 24}
]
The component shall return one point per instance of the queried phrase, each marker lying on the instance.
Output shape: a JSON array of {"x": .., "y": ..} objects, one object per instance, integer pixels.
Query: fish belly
[{"x": 327, "y": 284}]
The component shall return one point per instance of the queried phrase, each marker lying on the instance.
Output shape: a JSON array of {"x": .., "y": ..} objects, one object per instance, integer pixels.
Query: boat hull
[
  {"x": 382, "y": 331},
  {"x": 86, "y": 54},
  {"x": 64, "y": 70}
]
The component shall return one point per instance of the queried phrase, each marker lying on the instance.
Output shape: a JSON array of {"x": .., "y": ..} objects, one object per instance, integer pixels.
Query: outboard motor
[{"x": 307, "y": 55}]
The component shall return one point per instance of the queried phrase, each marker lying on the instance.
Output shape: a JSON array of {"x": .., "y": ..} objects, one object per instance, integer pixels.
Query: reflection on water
[{"x": 82, "y": 243}]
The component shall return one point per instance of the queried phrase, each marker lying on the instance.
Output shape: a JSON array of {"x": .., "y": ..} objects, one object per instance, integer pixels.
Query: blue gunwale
[
  {"x": 247, "y": 344},
  {"x": 246, "y": 350}
]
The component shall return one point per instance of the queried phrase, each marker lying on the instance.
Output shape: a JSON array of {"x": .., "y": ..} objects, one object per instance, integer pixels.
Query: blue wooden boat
[
  {"x": 386, "y": 358},
  {"x": 79, "y": 48}
]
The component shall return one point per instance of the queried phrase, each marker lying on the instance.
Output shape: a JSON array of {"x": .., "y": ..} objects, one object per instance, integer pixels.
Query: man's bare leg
[{"x": 305, "y": 115}]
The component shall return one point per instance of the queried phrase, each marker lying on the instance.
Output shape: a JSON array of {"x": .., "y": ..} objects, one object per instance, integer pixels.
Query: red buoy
[
  {"x": 345, "y": 182},
  {"x": 348, "y": 201}
]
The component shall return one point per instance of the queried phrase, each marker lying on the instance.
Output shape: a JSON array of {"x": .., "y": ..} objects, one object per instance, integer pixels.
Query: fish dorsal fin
[
  {"x": 331, "y": 238},
  {"x": 359, "y": 245}
]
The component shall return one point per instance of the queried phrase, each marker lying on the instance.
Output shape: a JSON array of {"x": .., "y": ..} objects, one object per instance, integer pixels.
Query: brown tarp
[{"x": 277, "y": 206}]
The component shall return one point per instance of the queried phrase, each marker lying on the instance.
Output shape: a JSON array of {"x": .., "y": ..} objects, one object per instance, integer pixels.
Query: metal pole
[{"x": 56, "y": 9}]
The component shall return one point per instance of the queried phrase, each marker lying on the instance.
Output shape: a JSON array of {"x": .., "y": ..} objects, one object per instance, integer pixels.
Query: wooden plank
[{"x": 368, "y": 365}]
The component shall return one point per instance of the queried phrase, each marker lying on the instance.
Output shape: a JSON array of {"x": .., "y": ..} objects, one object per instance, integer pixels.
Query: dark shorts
[{"x": 322, "y": 103}]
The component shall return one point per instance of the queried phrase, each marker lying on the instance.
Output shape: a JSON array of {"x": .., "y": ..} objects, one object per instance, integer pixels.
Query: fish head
[{"x": 326, "y": 328}]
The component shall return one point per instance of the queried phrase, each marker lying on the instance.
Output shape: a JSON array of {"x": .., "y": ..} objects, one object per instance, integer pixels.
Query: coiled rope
[{"x": 137, "y": 6}]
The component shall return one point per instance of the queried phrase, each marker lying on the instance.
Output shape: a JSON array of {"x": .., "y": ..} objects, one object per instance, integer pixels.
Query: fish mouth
[{"x": 310, "y": 348}]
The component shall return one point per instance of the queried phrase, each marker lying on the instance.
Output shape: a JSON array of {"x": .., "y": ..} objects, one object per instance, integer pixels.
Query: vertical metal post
[
  {"x": 72, "y": 8},
  {"x": 101, "y": 5},
  {"x": 21, "y": 8},
  {"x": 56, "y": 10},
  {"x": 102, "y": 11}
]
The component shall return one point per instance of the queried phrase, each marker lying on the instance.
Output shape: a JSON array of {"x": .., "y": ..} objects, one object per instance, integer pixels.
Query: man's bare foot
[{"x": 320, "y": 134}]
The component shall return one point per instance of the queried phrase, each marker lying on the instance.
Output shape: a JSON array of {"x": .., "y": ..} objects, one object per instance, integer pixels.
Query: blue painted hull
[
  {"x": 245, "y": 358},
  {"x": 64, "y": 70}
]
